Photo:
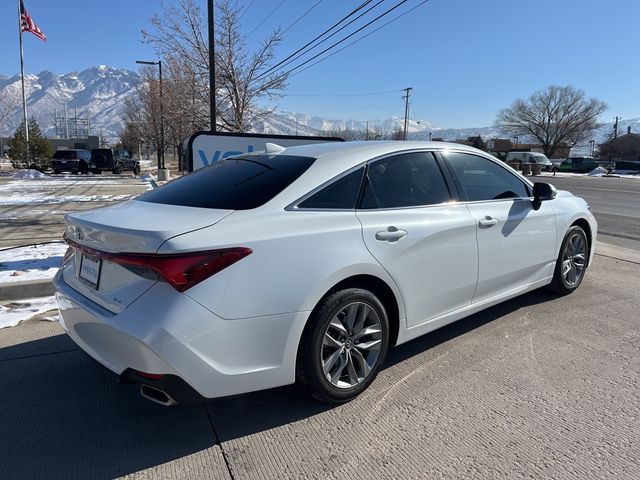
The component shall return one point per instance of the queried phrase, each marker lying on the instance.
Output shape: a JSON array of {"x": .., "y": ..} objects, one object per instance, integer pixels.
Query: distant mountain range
[{"x": 99, "y": 93}]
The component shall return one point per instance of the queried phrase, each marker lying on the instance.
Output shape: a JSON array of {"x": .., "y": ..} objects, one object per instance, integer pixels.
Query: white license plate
[
  {"x": 63, "y": 161},
  {"x": 90, "y": 269}
]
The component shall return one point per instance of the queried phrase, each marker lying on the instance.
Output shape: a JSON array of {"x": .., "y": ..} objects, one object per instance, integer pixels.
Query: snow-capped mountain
[
  {"x": 97, "y": 92},
  {"x": 100, "y": 93}
]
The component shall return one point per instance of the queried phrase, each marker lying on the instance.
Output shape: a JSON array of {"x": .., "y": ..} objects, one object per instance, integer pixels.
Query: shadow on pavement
[
  {"x": 63, "y": 416},
  {"x": 243, "y": 415}
]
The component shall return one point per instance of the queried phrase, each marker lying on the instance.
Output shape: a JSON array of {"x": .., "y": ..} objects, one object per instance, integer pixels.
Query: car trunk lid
[{"x": 131, "y": 227}]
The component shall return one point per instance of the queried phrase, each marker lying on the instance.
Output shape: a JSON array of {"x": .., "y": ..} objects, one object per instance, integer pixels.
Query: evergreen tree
[{"x": 40, "y": 150}]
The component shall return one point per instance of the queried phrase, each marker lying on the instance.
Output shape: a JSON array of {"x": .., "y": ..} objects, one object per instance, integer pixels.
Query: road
[
  {"x": 615, "y": 202},
  {"x": 538, "y": 387}
]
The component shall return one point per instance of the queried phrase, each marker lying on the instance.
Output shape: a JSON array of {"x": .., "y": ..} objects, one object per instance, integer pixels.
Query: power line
[
  {"x": 295, "y": 57},
  {"x": 361, "y": 6},
  {"x": 246, "y": 9},
  {"x": 342, "y": 94},
  {"x": 266, "y": 18},
  {"x": 300, "y": 17},
  {"x": 362, "y": 38},
  {"x": 346, "y": 38}
]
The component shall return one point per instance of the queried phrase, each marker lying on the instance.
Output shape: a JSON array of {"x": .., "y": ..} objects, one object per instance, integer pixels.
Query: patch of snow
[
  {"x": 31, "y": 263},
  {"x": 597, "y": 172},
  {"x": 42, "y": 199},
  {"x": 29, "y": 173},
  {"x": 11, "y": 314}
]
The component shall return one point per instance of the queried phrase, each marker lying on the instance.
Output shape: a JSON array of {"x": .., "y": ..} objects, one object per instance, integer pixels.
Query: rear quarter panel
[{"x": 297, "y": 257}]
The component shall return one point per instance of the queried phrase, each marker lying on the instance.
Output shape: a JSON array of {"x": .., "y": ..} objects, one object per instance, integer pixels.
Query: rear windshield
[
  {"x": 239, "y": 183},
  {"x": 65, "y": 155}
]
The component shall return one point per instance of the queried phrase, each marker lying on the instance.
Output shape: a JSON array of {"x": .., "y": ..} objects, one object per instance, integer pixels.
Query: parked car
[
  {"x": 582, "y": 164},
  {"x": 114, "y": 160},
  {"x": 308, "y": 263},
  {"x": 73, "y": 160}
]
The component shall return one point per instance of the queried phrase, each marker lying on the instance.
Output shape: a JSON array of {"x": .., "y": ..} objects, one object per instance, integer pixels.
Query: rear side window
[
  {"x": 482, "y": 179},
  {"x": 406, "y": 180},
  {"x": 239, "y": 183},
  {"x": 341, "y": 194}
]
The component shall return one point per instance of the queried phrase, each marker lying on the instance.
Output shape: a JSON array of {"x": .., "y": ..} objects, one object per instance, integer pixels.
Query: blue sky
[{"x": 465, "y": 59}]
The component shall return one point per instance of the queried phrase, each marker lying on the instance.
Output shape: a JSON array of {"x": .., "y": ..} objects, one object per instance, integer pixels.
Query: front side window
[
  {"x": 339, "y": 195},
  {"x": 482, "y": 179},
  {"x": 405, "y": 180},
  {"x": 239, "y": 183}
]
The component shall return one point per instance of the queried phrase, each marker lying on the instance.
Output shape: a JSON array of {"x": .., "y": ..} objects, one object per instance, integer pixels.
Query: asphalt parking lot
[
  {"x": 32, "y": 210},
  {"x": 538, "y": 387}
]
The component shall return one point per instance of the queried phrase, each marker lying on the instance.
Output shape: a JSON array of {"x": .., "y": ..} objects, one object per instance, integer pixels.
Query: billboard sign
[{"x": 205, "y": 148}]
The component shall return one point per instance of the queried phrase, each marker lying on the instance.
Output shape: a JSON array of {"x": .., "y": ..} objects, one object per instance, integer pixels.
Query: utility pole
[
  {"x": 406, "y": 110},
  {"x": 212, "y": 65},
  {"x": 615, "y": 127}
]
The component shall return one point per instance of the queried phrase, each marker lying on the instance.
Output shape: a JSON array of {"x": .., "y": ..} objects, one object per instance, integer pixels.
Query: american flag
[{"x": 28, "y": 25}]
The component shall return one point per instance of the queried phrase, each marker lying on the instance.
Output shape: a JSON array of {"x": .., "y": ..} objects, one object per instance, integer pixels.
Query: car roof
[
  {"x": 368, "y": 148},
  {"x": 334, "y": 158}
]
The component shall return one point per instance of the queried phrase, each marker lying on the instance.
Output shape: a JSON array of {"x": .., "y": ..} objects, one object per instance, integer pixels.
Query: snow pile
[
  {"x": 597, "y": 172},
  {"x": 11, "y": 314},
  {"x": 29, "y": 173},
  {"x": 31, "y": 263}
]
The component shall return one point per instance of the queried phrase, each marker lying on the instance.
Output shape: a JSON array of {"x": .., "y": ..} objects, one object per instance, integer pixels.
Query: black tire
[
  {"x": 309, "y": 367},
  {"x": 96, "y": 171},
  {"x": 136, "y": 170},
  {"x": 57, "y": 172},
  {"x": 564, "y": 284},
  {"x": 84, "y": 168},
  {"x": 117, "y": 170}
]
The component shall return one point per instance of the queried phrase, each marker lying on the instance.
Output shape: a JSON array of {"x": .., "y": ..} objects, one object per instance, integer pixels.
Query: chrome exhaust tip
[{"x": 156, "y": 395}]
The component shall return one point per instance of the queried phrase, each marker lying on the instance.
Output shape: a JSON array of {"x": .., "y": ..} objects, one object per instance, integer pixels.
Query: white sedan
[{"x": 308, "y": 263}]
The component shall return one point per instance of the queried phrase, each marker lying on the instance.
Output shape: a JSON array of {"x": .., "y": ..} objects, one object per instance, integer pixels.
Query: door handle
[
  {"x": 391, "y": 234},
  {"x": 488, "y": 221}
]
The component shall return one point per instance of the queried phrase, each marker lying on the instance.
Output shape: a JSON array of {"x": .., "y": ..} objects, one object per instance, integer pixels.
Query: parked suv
[
  {"x": 114, "y": 160},
  {"x": 583, "y": 164},
  {"x": 75, "y": 161}
]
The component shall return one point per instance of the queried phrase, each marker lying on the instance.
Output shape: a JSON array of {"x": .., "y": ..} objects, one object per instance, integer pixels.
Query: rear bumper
[
  {"x": 68, "y": 166},
  {"x": 199, "y": 354}
]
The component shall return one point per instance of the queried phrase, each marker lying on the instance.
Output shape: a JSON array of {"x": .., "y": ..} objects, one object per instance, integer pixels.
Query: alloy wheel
[
  {"x": 574, "y": 259},
  {"x": 351, "y": 345}
]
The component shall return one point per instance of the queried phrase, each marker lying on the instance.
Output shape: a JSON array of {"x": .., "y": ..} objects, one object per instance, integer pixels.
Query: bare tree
[
  {"x": 557, "y": 116},
  {"x": 178, "y": 36},
  {"x": 8, "y": 104}
]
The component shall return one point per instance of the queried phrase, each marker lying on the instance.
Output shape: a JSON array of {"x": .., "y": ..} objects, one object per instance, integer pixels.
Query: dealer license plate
[{"x": 90, "y": 270}]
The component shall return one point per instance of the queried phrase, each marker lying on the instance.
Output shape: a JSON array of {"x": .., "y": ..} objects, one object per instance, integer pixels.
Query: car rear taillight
[{"x": 183, "y": 271}]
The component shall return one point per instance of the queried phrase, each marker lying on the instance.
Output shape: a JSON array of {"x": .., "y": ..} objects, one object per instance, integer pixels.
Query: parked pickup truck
[{"x": 114, "y": 160}]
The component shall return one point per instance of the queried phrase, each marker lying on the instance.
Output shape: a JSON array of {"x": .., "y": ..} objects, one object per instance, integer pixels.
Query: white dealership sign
[{"x": 206, "y": 148}]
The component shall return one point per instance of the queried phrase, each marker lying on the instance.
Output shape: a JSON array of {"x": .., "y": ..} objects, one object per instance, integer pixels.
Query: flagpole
[{"x": 24, "y": 97}]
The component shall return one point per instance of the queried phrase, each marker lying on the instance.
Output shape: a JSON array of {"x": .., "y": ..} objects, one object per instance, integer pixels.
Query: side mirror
[{"x": 541, "y": 192}]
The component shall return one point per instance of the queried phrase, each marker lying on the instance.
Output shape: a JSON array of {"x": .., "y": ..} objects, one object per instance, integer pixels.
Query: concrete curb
[
  {"x": 26, "y": 289},
  {"x": 619, "y": 253}
]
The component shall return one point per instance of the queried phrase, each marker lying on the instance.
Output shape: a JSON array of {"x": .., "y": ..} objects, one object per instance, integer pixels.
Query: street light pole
[
  {"x": 212, "y": 65},
  {"x": 161, "y": 152}
]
